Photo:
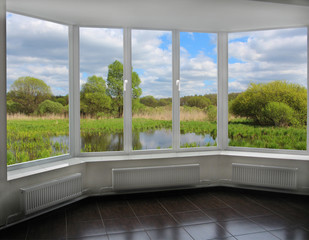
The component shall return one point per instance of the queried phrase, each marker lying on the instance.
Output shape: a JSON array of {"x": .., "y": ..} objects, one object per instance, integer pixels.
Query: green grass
[
  {"x": 243, "y": 133},
  {"x": 31, "y": 139}
]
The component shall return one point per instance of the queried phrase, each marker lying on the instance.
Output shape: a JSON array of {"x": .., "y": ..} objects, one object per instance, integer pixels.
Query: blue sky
[{"x": 40, "y": 49}]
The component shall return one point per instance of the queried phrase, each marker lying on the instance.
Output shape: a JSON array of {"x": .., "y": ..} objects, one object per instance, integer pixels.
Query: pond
[{"x": 152, "y": 139}]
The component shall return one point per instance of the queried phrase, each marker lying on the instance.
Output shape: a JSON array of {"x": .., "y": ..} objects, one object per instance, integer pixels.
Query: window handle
[
  {"x": 125, "y": 85},
  {"x": 178, "y": 84}
]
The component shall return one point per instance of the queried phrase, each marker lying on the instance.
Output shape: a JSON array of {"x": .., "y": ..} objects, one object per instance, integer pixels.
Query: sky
[{"x": 40, "y": 49}]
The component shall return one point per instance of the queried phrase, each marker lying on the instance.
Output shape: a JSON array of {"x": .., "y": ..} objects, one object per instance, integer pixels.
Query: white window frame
[
  {"x": 74, "y": 99},
  {"x": 270, "y": 150}
]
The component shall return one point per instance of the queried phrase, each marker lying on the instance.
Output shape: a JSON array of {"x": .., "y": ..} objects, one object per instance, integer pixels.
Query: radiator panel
[
  {"x": 47, "y": 194},
  {"x": 267, "y": 176},
  {"x": 155, "y": 177}
]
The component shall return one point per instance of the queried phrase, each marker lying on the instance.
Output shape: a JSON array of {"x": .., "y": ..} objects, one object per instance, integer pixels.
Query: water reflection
[{"x": 153, "y": 139}]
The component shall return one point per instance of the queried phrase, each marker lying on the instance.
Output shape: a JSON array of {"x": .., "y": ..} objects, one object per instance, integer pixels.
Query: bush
[
  {"x": 278, "y": 114},
  {"x": 212, "y": 113},
  {"x": 250, "y": 103},
  {"x": 12, "y": 107},
  {"x": 48, "y": 107},
  {"x": 199, "y": 102}
]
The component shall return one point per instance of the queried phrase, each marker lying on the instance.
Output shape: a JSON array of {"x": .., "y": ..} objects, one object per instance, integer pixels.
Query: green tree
[
  {"x": 115, "y": 86},
  {"x": 12, "y": 107},
  {"x": 64, "y": 100},
  {"x": 93, "y": 96},
  {"x": 149, "y": 101},
  {"x": 252, "y": 102},
  {"x": 199, "y": 102},
  {"x": 29, "y": 92},
  {"x": 49, "y": 106}
]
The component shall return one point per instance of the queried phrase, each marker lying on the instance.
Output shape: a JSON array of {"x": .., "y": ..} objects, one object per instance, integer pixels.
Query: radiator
[
  {"x": 267, "y": 176},
  {"x": 47, "y": 194},
  {"x": 155, "y": 177}
]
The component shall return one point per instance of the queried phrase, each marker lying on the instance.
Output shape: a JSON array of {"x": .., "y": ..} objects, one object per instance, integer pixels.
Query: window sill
[{"x": 16, "y": 173}]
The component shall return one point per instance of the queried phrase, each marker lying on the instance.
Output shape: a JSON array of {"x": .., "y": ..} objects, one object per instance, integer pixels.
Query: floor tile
[
  {"x": 291, "y": 234},
  {"x": 251, "y": 210},
  {"x": 211, "y": 213},
  {"x": 190, "y": 218},
  {"x": 156, "y": 222},
  {"x": 97, "y": 237},
  {"x": 48, "y": 226},
  {"x": 119, "y": 225},
  {"x": 83, "y": 229},
  {"x": 239, "y": 227},
  {"x": 228, "y": 238},
  {"x": 15, "y": 232},
  {"x": 169, "y": 234},
  {"x": 177, "y": 204},
  {"x": 272, "y": 222},
  {"x": 223, "y": 214},
  {"x": 206, "y": 231},
  {"x": 206, "y": 201},
  {"x": 257, "y": 236},
  {"x": 115, "y": 209},
  {"x": 83, "y": 211},
  {"x": 147, "y": 207},
  {"x": 129, "y": 236}
]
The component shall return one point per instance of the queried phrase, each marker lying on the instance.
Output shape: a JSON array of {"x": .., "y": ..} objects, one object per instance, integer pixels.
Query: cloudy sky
[{"x": 40, "y": 49}]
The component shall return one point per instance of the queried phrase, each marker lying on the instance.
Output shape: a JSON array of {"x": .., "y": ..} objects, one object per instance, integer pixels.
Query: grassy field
[{"x": 36, "y": 138}]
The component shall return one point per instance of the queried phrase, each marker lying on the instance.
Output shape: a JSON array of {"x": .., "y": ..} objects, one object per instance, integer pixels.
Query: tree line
[{"x": 98, "y": 97}]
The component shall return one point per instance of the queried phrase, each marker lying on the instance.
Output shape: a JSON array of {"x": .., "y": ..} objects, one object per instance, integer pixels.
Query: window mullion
[
  {"x": 222, "y": 122},
  {"x": 307, "y": 88},
  {"x": 74, "y": 91},
  {"x": 3, "y": 135},
  {"x": 127, "y": 99},
  {"x": 176, "y": 100}
]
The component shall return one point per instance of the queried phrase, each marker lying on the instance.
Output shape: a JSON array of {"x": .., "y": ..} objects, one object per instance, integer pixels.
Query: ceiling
[{"x": 193, "y": 15}]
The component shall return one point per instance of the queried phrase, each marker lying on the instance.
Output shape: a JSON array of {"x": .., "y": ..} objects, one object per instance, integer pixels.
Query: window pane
[
  {"x": 101, "y": 95},
  {"x": 198, "y": 94},
  {"x": 37, "y": 89},
  {"x": 268, "y": 89},
  {"x": 152, "y": 89}
]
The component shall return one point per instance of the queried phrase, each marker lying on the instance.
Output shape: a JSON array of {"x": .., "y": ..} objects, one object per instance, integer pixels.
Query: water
[{"x": 153, "y": 139}]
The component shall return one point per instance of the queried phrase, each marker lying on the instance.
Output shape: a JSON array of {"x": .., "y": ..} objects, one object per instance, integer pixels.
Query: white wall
[{"x": 216, "y": 169}]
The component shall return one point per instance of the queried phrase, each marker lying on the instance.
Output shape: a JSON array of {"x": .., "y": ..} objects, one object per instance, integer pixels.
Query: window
[
  {"x": 101, "y": 94},
  {"x": 268, "y": 89},
  {"x": 198, "y": 92},
  {"x": 151, "y": 89},
  {"x": 37, "y": 89}
]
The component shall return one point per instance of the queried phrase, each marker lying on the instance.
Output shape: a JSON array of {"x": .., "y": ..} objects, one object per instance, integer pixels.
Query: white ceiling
[{"x": 193, "y": 15}]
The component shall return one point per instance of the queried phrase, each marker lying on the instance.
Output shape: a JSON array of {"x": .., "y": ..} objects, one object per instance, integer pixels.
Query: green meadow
[{"x": 36, "y": 138}]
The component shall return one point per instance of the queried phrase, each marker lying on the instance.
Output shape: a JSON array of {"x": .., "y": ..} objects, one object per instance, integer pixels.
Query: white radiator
[
  {"x": 267, "y": 176},
  {"x": 47, "y": 194},
  {"x": 155, "y": 177}
]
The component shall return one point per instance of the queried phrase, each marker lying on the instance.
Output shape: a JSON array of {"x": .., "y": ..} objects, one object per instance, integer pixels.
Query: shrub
[
  {"x": 250, "y": 103},
  {"x": 212, "y": 113},
  {"x": 48, "y": 106},
  {"x": 199, "y": 101},
  {"x": 12, "y": 107},
  {"x": 278, "y": 114}
]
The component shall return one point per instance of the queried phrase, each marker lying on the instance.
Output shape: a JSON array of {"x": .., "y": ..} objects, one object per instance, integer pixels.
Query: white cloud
[
  {"x": 264, "y": 56},
  {"x": 39, "y": 49}
]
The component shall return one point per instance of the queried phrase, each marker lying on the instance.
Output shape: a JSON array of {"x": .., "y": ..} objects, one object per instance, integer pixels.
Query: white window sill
[{"x": 17, "y": 173}]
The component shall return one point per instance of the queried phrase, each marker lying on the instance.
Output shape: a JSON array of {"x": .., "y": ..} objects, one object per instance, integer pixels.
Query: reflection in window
[
  {"x": 198, "y": 95},
  {"x": 152, "y": 89},
  {"x": 101, "y": 94},
  {"x": 268, "y": 89},
  {"x": 37, "y": 89}
]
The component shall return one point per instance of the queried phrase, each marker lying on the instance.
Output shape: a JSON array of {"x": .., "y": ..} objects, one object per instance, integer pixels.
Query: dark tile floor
[{"x": 210, "y": 213}]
